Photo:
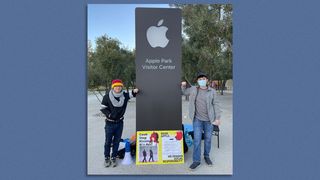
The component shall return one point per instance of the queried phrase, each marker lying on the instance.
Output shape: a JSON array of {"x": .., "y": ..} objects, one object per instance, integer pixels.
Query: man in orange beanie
[{"x": 114, "y": 105}]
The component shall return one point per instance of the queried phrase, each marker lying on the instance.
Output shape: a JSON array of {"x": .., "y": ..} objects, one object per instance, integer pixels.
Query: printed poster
[{"x": 159, "y": 147}]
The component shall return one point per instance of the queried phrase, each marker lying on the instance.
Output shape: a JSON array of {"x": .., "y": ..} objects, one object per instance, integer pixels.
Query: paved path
[{"x": 222, "y": 157}]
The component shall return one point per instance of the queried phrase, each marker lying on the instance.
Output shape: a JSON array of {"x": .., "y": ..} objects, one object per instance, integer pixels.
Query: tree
[
  {"x": 93, "y": 75},
  {"x": 207, "y": 42},
  {"x": 109, "y": 61}
]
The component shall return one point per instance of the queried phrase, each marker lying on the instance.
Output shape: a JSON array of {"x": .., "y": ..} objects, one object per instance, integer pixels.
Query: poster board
[{"x": 159, "y": 147}]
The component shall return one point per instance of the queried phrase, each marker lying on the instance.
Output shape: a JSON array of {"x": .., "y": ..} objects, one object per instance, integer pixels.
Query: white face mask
[{"x": 202, "y": 82}]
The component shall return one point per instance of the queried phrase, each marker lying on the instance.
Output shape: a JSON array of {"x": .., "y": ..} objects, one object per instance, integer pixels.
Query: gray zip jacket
[{"x": 214, "y": 110}]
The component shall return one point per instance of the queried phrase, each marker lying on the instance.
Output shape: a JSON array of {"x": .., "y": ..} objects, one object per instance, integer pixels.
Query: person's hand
[
  {"x": 216, "y": 122},
  {"x": 183, "y": 83},
  {"x": 136, "y": 90}
]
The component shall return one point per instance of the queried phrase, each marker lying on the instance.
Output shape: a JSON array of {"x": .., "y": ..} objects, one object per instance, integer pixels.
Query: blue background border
[{"x": 43, "y": 90}]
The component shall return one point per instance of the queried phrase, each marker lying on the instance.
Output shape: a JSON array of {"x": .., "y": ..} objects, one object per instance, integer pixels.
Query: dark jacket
[{"x": 115, "y": 113}]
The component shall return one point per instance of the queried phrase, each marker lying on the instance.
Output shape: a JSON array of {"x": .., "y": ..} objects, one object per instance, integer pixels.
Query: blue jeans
[
  {"x": 198, "y": 128},
  {"x": 113, "y": 135}
]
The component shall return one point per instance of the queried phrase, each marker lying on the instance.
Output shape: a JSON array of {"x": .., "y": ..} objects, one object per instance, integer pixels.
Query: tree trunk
[
  {"x": 223, "y": 85},
  {"x": 107, "y": 89}
]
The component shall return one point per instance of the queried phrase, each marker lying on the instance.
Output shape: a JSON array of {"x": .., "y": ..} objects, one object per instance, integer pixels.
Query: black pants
[
  {"x": 113, "y": 136},
  {"x": 151, "y": 157},
  {"x": 144, "y": 159}
]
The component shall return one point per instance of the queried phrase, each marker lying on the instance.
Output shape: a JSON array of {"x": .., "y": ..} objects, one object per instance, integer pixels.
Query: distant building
[{"x": 229, "y": 85}]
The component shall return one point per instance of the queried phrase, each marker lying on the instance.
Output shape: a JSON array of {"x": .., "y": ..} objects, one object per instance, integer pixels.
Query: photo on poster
[
  {"x": 148, "y": 154},
  {"x": 159, "y": 89}
]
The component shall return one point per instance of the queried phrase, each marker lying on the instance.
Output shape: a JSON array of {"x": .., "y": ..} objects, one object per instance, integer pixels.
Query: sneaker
[
  {"x": 107, "y": 162},
  {"x": 114, "y": 161},
  {"x": 194, "y": 166},
  {"x": 208, "y": 161}
]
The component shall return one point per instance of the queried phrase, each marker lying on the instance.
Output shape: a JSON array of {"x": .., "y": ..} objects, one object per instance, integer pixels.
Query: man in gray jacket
[{"x": 205, "y": 111}]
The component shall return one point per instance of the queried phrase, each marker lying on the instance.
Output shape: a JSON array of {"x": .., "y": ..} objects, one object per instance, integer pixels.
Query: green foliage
[
  {"x": 109, "y": 61},
  {"x": 207, "y": 41}
]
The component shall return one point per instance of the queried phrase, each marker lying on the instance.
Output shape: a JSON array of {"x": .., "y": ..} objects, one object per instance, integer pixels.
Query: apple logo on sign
[{"x": 156, "y": 36}]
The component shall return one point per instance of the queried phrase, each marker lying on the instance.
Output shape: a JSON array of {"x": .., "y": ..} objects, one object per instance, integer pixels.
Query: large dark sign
[{"x": 158, "y": 68}]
